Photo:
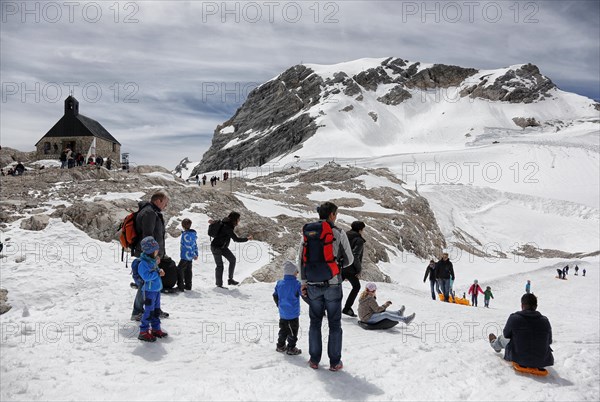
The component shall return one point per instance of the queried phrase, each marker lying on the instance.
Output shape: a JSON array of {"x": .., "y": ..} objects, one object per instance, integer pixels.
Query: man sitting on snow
[{"x": 526, "y": 337}]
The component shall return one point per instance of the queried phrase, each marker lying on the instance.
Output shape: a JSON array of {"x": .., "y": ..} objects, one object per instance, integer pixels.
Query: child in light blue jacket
[{"x": 189, "y": 252}]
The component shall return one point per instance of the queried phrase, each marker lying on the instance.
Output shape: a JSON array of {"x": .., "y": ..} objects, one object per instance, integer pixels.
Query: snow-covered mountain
[{"x": 376, "y": 107}]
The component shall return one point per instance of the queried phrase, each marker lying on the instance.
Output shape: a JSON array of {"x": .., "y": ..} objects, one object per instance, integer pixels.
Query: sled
[
  {"x": 383, "y": 324},
  {"x": 457, "y": 300},
  {"x": 530, "y": 370}
]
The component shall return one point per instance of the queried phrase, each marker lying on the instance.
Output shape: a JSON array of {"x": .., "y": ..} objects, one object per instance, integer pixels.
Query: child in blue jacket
[
  {"x": 150, "y": 273},
  {"x": 287, "y": 298},
  {"x": 189, "y": 252}
]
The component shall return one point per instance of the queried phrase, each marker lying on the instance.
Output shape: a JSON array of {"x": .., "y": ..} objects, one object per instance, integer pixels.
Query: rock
[
  {"x": 346, "y": 109},
  {"x": 395, "y": 96},
  {"x": 371, "y": 78},
  {"x": 526, "y": 122},
  {"x": 4, "y": 306},
  {"x": 10, "y": 155},
  {"x": 373, "y": 116},
  {"x": 440, "y": 76},
  {"x": 36, "y": 222}
]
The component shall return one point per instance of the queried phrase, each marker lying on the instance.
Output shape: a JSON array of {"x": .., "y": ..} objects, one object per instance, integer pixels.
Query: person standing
[
  {"x": 352, "y": 272},
  {"x": 444, "y": 271},
  {"x": 219, "y": 246},
  {"x": 487, "y": 295},
  {"x": 430, "y": 272},
  {"x": 188, "y": 253},
  {"x": 325, "y": 251},
  {"x": 287, "y": 299},
  {"x": 474, "y": 291},
  {"x": 149, "y": 222},
  {"x": 528, "y": 286}
]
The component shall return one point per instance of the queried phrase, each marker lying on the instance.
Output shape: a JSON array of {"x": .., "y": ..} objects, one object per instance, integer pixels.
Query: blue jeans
[
  {"x": 445, "y": 287},
  {"x": 321, "y": 299},
  {"x": 434, "y": 285},
  {"x": 151, "y": 314},
  {"x": 389, "y": 315}
]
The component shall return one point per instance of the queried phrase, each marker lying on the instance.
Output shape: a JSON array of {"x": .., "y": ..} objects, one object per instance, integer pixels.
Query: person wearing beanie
[
  {"x": 287, "y": 298},
  {"x": 371, "y": 313},
  {"x": 474, "y": 291},
  {"x": 150, "y": 273},
  {"x": 352, "y": 272},
  {"x": 486, "y": 296}
]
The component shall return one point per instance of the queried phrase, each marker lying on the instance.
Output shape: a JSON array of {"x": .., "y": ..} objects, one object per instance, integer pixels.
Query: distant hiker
[
  {"x": 528, "y": 286},
  {"x": 108, "y": 163},
  {"x": 584, "y": 272},
  {"x": 325, "y": 251},
  {"x": 444, "y": 271},
  {"x": 198, "y": 179},
  {"x": 560, "y": 273},
  {"x": 371, "y": 313},
  {"x": 219, "y": 246},
  {"x": 576, "y": 270},
  {"x": 487, "y": 295},
  {"x": 565, "y": 270},
  {"x": 63, "y": 159},
  {"x": 430, "y": 271},
  {"x": 474, "y": 291},
  {"x": 70, "y": 158},
  {"x": 204, "y": 180},
  {"x": 150, "y": 273},
  {"x": 149, "y": 222},
  {"x": 99, "y": 161},
  {"x": 91, "y": 160},
  {"x": 188, "y": 253},
  {"x": 287, "y": 299},
  {"x": 352, "y": 272},
  {"x": 79, "y": 159},
  {"x": 526, "y": 337}
]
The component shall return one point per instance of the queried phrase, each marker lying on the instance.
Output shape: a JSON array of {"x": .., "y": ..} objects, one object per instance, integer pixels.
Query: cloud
[{"x": 162, "y": 75}]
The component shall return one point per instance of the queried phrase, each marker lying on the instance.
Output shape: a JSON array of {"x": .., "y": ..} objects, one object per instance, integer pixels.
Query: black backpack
[{"x": 214, "y": 228}]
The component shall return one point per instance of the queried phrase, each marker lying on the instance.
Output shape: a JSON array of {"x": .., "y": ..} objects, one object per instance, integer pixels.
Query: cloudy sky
[{"x": 160, "y": 75}]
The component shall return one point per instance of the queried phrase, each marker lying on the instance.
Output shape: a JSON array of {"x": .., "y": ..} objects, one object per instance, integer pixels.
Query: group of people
[
  {"x": 18, "y": 170},
  {"x": 562, "y": 273},
  {"x": 328, "y": 256},
  {"x": 441, "y": 277},
  {"x": 69, "y": 159}
]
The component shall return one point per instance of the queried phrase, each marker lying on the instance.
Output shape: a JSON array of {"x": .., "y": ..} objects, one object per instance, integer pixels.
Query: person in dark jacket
[
  {"x": 149, "y": 222},
  {"x": 430, "y": 272},
  {"x": 352, "y": 272},
  {"x": 219, "y": 247},
  {"x": 444, "y": 271},
  {"x": 287, "y": 299},
  {"x": 526, "y": 337}
]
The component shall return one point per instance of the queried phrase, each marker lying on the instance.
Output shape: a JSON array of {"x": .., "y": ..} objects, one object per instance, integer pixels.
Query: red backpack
[{"x": 317, "y": 252}]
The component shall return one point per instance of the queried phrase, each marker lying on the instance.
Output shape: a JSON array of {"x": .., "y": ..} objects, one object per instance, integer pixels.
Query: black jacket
[
  {"x": 444, "y": 270},
  {"x": 225, "y": 235},
  {"x": 150, "y": 222},
  {"x": 357, "y": 243},
  {"x": 429, "y": 271},
  {"x": 530, "y": 337}
]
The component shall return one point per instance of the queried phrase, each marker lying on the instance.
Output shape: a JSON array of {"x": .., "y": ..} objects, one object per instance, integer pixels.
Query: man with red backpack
[{"x": 325, "y": 251}]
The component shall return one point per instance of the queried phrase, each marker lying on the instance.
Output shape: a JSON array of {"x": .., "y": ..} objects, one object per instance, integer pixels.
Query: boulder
[{"x": 36, "y": 222}]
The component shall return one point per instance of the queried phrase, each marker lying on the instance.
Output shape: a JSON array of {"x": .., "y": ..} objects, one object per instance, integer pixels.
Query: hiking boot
[
  {"x": 137, "y": 317},
  {"x": 293, "y": 351},
  {"x": 401, "y": 311},
  {"x": 497, "y": 348},
  {"x": 159, "y": 333},
  {"x": 232, "y": 282},
  {"x": 163, "y": 314},
  {"x": 337, "y": 367},
  {"x": 408, "y": 319},
  {"x": 313, "y": 365},
  {"x": 349, "y": 311},
  {"x": 280, "y": 349},
  {"x": 146, "y": 336}
]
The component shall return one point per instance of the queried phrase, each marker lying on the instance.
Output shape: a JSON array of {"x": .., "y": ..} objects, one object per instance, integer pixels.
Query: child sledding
[{"x": 373, "y": 316}]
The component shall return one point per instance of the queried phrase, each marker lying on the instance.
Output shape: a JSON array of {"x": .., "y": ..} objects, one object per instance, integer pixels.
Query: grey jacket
[
  {"x": 150, "y": 222},
  {"x": 367, "y": 306},
  {"x": 341, "y": 249}
]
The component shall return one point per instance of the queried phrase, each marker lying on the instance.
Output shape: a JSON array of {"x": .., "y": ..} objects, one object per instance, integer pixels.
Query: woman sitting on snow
[{"x": 370, "y": 312}]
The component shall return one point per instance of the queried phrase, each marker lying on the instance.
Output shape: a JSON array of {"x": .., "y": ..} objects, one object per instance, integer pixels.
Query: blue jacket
[
  {"x": 530, "y": 337},
  {"x": 189, "y": 248},
  {"x": 287, "y": 297},
  {"x": 148, "y": 271}
]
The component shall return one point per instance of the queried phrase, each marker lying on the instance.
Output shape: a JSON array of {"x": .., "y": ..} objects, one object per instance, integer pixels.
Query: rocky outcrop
[
  {"x": 371, "y": 78},
  {"x": 396, "y": 96},
  {"x": 4, "y": 306},
  {"x": 523, "y": 85},
  {"x": 526, "y": 122},
  {"x": 262, "y": 127},
  {"x": 440, "y": 76},
  {"x": 10, "y": 155},
  {"x": 36, "y": 222}
]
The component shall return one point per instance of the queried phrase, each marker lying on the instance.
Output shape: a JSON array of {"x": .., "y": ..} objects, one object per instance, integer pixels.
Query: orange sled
[
  {"x": 530, "y": 370},
  {"x": 457, "y": 300}
]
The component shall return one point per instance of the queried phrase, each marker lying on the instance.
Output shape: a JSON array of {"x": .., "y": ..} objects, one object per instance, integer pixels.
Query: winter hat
[
  {"x": 371, "y": 287},
  {"x": 475, "y": 281},
  {"x": 289, "y": 268},
  {"x": 149, "y": 245}
]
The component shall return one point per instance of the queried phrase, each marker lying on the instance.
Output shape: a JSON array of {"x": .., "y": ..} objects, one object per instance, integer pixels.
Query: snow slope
[{"x": 68, "y": 336}]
